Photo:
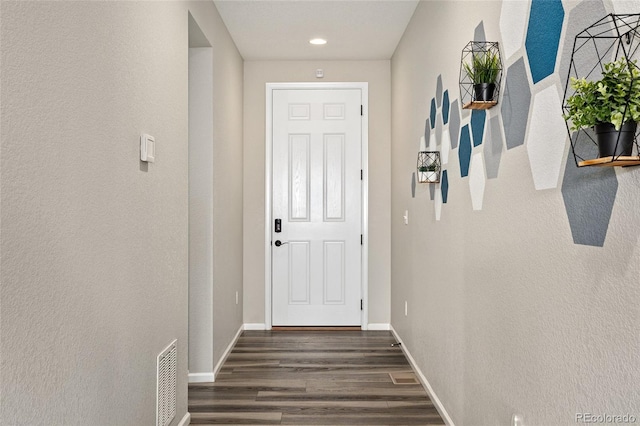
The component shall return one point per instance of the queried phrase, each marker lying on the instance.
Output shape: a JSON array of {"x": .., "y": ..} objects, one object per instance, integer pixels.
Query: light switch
[
  {"x": 147, "y": 148},
  {"x": 406, "y": 217}
]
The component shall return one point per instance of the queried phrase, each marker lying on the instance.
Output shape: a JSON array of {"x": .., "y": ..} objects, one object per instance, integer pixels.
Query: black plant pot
[
  {"x": 484, "y": 91},
  {"x": 612, "y": 142}
]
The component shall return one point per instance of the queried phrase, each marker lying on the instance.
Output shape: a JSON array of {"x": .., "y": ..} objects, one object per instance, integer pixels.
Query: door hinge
[
  {"x": 361, "y": 174},
  {"x": 361, "y": 110},
  {"x": 361, "y": 239},
  {"x": 360, "y": 304}
]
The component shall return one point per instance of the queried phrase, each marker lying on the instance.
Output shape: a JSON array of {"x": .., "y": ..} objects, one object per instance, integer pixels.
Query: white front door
[{"x": 317, "y": 197}]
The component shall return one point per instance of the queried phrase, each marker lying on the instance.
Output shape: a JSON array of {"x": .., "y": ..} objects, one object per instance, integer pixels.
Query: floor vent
[
  {"x": 166, "y": 388},
  {"x": 404, "y": 378}
]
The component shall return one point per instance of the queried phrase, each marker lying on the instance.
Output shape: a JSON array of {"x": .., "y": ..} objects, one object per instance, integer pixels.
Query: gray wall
[
  {"x": 256, "y": 75},
  {"x": 94, "y": 244},
  {"x": 507, "y": 314}
]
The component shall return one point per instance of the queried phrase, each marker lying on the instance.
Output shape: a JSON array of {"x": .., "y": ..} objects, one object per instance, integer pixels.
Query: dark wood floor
[{"x": 312, "y": 378}]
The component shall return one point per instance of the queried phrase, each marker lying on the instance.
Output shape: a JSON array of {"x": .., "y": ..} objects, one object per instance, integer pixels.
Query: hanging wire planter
[
  {"x": 480, "y": 75},
  {"x": 429, "y": 167},
  {"x": 608, "y": 46}
]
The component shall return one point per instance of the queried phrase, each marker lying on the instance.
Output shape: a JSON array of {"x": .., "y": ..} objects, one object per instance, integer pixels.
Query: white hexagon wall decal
[
  {"x": 477, "y": 181},
  {"x": 445, "y": 147},
  {"x": 438, "y": 201},
  {"x": 546, "y": 139},
  {"x": 513, "y": 23}
]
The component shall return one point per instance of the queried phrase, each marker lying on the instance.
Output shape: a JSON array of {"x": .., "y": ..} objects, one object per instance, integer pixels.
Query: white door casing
[{"x": 318, "y": 149}]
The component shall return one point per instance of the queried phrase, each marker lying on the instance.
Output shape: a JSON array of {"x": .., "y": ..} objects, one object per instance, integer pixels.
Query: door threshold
[{"x": 306, "y": 328}]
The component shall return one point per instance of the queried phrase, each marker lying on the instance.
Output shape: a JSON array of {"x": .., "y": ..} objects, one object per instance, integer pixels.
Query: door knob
[{"x": 279, "y": 243}]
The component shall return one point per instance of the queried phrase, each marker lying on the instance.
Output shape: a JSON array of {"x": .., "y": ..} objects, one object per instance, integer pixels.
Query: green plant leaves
[
  {"x": 615, "y": 98},
  {"x": 484, "y": 67}
]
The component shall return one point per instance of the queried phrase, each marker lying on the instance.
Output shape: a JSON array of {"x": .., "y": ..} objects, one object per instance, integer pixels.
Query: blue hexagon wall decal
[
  {"x": 543, "y": 37},
  {"x": 444, "y": 186},
  {"x": 464, "y": 151},
  {"x": 433, "y": 113},
  {"x": 478, "y": 118},
  {"x": 445, "y": 107}
]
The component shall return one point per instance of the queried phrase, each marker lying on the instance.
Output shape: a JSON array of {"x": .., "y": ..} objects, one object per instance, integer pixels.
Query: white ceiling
[{"x": 281, "y": 30}]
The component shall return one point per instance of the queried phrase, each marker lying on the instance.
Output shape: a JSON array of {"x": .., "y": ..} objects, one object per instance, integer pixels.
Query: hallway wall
[
  {"x": 94, "y": 243},
  {"x": 377, "y": 74},
  {"x": 513, "y": 307}
]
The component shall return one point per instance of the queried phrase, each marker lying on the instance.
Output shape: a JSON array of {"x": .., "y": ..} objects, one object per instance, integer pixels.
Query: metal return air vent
[{"x": 166, "y": 387}]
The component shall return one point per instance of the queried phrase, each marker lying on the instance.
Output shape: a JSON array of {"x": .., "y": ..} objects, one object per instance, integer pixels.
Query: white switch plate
[
  {"x": 147, "y": 148},
  {"x": 406, "y": 217}
]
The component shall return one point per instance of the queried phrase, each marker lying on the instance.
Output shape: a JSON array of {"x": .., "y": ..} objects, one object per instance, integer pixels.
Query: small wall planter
[
  {"x": 429, "y": 167},
  {"x": 480, "y": 75}
]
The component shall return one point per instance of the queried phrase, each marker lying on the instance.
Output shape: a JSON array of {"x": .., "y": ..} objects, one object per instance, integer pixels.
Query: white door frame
[{"x": 270, "y": 87}]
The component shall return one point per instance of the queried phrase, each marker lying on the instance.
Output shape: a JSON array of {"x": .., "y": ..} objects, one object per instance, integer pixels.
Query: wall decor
[
  {"x": 429, "y": 167},
  {"x": 601, "y": 104},
  {"x": 480, "y": 75}
]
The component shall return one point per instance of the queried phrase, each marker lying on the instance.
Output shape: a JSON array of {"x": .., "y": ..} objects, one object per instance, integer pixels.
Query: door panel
[{"x": 317, "y": 192}]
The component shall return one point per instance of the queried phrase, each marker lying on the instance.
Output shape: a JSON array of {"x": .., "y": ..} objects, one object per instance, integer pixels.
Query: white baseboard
[
  {"x": 255, "y": 326},
  {"x": 425, "y": 383},
  {"x": 227, "y": 351},
  {"x": 185, "y": 420},
  {"x": 201, "y": 377},
  {"x": 379, "y": 327}
]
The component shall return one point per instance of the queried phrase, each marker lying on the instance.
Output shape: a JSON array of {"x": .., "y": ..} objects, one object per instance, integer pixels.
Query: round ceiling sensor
[{"x": 318, "y": 41}]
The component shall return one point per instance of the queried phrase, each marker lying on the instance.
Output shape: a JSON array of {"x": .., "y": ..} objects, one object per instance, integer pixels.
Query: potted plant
[
  {"x": 428, "y": 167},
  {"x": 483, "y": 72},
  {"x": 610, "y": 105}
]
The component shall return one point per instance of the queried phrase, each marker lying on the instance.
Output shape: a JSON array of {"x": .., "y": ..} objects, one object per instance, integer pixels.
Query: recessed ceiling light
[{"x": 318, "y": 41}]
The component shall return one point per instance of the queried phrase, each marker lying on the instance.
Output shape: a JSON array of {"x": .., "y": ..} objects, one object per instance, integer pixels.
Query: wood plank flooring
[{"x": 312, "y": 378}]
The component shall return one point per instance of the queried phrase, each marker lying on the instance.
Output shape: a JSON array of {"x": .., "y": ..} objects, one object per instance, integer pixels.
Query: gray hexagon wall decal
[
  {"x": 478, "y": 33},
  {"x": 445, "y": 107},
  {"x": 580, "y": 17},
  {"x": 464, "y": 152},
  {"x": 478, "y": 118},
  {"x": 589, "y": 194},
  {"x": 439, "y": 90},
  {"x": 515, "y": 104},
  {"x": 438, "y": 130},
  {"x": 427, "y": 133},
  {"x": 454, "y": 124},
  {"x": 543, "y": 37},
  {"x": 445, "y": 186},
  {"x": 493, "y": 148},
  {"x": 432, "y": 115},
  {"x": 413, "y": 185}
]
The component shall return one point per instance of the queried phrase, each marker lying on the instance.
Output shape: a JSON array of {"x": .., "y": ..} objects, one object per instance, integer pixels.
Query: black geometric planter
[
  {"x": 612, "y": 142},
  {"x": 484, "y": 92}
]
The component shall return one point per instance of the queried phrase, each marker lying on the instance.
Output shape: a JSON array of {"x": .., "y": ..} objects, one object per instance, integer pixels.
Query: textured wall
[
  {"x": 515, "y": 305},
  {"x": 94, "y": 244},
  {"x": 376, "y": 73},
  {"x": 227, "y": 177}
]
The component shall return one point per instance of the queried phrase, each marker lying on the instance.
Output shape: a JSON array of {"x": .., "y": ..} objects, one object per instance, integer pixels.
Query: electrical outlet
[{"x": 406, "y": 308}]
